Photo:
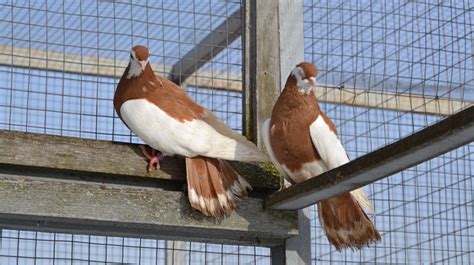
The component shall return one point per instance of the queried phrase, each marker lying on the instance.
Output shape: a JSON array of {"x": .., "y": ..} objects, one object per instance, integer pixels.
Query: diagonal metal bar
[
  {"x": 439, "y": 138},
  {"x": 209, "y": 47}
]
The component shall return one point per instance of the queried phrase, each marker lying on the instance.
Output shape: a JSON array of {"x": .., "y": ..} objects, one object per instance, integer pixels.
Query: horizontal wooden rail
[
  {"x": 56, "y": 183},
  {"x": 222, "y": 80},
  {"x": 104, "y": 66},
  {"x": 77, "y": 155},
  {"x": 441, "y": 137},
  {"x": 117, "y": 210}
]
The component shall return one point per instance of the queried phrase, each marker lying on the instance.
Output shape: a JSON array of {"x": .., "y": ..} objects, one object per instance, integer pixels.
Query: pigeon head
[
  {"x": 305, "y": 75},
  {"x": 139, "y": 56}
]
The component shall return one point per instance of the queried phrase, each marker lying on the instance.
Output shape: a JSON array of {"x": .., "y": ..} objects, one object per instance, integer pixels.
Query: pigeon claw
[{"x": 154, "y": 158}]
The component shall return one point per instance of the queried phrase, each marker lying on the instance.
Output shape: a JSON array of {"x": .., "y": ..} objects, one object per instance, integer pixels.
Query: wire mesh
[
  {"x": 27, "y": 247},
  {"x": 60, "y": 62},
  {"x": 411, "y": 48},
  {"x": 48, "y": 46}
]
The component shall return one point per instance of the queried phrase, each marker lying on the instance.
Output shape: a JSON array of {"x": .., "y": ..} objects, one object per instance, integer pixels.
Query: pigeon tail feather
[
  {"x": 214, "y": 186},
  {"x": 346, "y": 224}
]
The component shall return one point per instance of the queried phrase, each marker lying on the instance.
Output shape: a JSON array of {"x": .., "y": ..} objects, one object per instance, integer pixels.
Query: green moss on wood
[
  {"x": 86, "y": 155},
  {"x": 259, "y": 175}
]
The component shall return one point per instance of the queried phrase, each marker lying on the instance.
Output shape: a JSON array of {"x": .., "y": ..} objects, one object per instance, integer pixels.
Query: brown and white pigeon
[
  {"x": 167, "y": 119},
  {"x": 302, "y": 142}
]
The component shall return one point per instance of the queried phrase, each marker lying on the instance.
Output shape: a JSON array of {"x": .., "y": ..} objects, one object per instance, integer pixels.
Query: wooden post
[
  {"x": 261, "y": 64},
  {"x": 175, "y": 253},
  {"x": 297, "y": 249},
  {"x": 273, "y": 45}
]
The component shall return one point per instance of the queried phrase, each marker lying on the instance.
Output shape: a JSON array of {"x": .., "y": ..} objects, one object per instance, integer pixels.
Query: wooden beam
[
  {"x": 222, "y": 80},
  {"x": 439, "y": 138},
  {"x": 274, "y": 44},
  {"x": 261, "y": 64},
  {"x": 218, "y": 80},
  {"x": 207, "y": 48},
  {"x": 63, "y": 62},
  {"x": 103, "y": 66},
  {"x": 74, "y": 185},
  {"x": 124, "y": 161},
  {"x": 298, "y": 248},
  {"x": 172, "y": 255},
  {"x": 390, "y": 101},
  {"x": 32, "y": 203},
  {"x": 291, "y": 33}
]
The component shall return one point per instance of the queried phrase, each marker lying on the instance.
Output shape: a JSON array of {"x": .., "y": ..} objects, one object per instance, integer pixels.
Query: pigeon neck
[
  {"x": 291, "y": 84},
  {"x": 134, "y": 69}
]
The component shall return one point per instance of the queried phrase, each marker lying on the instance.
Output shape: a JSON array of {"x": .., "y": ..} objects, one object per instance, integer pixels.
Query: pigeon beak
[
  {"x": 312, "y": 80},
  {"x": 143, "y": 64}
]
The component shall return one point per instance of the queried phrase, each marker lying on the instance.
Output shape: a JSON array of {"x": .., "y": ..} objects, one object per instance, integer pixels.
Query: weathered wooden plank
[
  {"x": 441, "y": 137},
  {"x": 218, "y": 80},
  {"x": 298, "y": 248},
  {"x": 207, "y": 48},
  {"x": 63, "y": 62},
  {"x": 103, "y": 66},
  {"x": 291, "y": 33},
  {"x": 221, "y": 80},
  {"x": 117, "y": 210},
  {"x": 274, "y": 44},
  {"x": 102, "y": 157},
  {"x": 390, "y": 101},
  {"x": 261, "y": 64},
  {"x": 173, "y": 255}
]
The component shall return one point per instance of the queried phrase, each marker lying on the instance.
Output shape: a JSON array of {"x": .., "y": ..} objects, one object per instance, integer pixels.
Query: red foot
[{"x": 153, "y": 159}]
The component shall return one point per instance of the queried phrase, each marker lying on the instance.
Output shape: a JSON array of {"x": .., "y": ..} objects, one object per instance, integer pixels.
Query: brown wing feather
[
  {"x": 290, "y": 136},
  {"x": 158, "y": 90},
  {"x": 174, "y": 101}
]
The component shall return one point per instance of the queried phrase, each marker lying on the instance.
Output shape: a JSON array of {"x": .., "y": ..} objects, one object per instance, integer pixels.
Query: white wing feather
[
  {"x": 268, "y": 147},
  {"x": 333, "y": 154},
  {"x": 190, "y": 138}
]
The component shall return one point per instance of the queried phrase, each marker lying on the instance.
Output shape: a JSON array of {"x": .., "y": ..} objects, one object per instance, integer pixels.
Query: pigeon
[
  {"x": 302, "y": 142},
  {"x": 167, "y": 119}
]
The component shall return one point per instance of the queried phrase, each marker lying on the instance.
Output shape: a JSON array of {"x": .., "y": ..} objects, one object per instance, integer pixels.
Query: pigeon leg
[{"x": 154, "y": 157}]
